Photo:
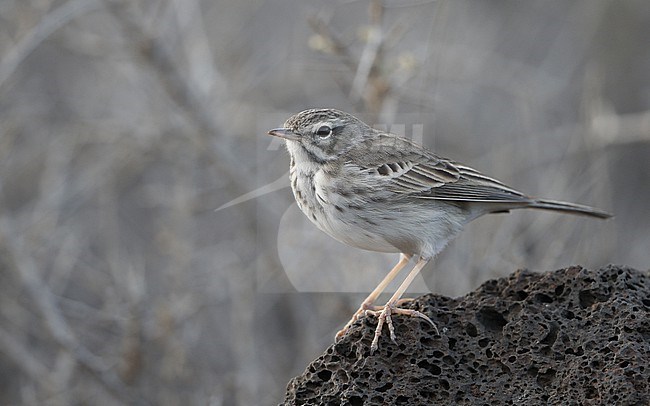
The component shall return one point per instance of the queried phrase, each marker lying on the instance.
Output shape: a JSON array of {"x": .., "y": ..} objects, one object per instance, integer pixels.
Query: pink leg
[
  {"x": 391, "y": 307},
  {"x": 367, "y": 304}
]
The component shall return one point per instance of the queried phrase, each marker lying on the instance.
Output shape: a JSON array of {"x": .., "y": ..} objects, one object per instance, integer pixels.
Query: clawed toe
[
  {"x": 384, "y": 317},
  {"x": 363, "y": 309}
]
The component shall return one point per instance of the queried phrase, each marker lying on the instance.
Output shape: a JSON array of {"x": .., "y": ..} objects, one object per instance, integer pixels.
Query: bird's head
[{"x": 322, "y": 134}]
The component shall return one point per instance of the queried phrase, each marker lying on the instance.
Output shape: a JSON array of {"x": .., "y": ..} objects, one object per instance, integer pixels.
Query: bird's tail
[{"x": 569, "y": 208}]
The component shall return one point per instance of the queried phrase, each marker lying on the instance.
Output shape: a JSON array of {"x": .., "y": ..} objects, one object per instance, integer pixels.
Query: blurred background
[{"x": 125, "y": 124}]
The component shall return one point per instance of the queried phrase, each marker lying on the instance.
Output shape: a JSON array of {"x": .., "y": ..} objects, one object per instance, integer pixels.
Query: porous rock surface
[{"x": 570, "y": 337}]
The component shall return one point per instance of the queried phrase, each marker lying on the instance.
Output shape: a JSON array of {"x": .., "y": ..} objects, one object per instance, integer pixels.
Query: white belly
[{"x": 361, "y": 222}]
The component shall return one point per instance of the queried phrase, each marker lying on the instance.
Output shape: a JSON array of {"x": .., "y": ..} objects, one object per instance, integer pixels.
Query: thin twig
[
  {"x": 43, "y": 30},
  {"x": 23, "y": 358},
  {"x": 370, "y": 55},
  {"x": 25, "y": 268}
]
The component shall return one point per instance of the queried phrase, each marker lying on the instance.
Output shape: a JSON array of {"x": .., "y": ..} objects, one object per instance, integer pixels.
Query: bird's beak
[{"x": 285, "y": 133}]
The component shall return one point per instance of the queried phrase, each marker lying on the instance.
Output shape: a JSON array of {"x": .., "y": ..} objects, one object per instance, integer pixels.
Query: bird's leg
[
  {"x": 367, "y": 304},
  {"x": 391, "y": 307}
]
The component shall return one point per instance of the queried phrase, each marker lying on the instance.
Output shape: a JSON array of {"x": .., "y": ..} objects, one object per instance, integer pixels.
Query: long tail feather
[{"x": 569, "y": 208}]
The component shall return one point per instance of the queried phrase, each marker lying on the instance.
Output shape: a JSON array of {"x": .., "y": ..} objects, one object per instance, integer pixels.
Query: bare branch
[
  {"x": 23, "y": 358},
  {"x": 25, "y": 268},
  {"x": 46, "y": 27}
]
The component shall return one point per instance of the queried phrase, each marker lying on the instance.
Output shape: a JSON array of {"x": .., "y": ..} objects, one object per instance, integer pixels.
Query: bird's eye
[{"x": 324, "y": 131}]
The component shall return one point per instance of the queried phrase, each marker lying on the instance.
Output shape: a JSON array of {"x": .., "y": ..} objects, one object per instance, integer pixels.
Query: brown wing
[
  {"x": 474, "y": 186},
  {"x": 416, "y": 172}
]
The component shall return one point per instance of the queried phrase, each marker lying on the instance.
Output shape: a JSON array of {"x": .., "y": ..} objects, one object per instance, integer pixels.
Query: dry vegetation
[{"x": 124, "y": 124}]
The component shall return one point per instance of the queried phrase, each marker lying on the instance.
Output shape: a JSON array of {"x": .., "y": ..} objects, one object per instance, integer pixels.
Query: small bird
[{"x": 382, "y": 192}]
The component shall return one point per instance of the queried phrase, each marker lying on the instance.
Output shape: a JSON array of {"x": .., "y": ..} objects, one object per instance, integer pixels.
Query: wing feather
[{"x": 418, "y": 173}]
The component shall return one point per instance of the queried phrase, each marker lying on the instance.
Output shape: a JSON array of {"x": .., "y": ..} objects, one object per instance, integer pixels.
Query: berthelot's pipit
[{"x": 382, "y": 192}]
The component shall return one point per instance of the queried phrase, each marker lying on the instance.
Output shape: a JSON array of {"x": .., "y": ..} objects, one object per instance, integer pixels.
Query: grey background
[{"x": 124, "y": 125}]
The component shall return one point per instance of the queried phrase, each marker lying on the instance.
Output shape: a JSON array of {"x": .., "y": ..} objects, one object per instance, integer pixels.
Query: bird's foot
[
  {"x": 372, "y": 309},
  {"x": 365, "y": 306},
  {"x": 384, "y": 316}
]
